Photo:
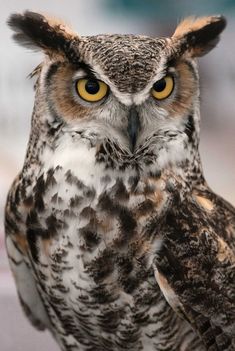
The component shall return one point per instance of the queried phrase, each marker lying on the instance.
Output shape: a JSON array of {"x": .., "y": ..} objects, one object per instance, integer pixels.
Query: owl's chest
[
  {"x": 97, "y": 217},
  {"x": 97, "y": 238}
]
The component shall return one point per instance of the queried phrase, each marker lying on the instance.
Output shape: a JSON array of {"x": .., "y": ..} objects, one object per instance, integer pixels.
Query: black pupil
[
  {"x": 160, "y": 85},
  {"x": 92, "y": 86}
]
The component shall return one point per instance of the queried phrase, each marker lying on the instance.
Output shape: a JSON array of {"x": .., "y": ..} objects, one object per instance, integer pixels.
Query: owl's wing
[
  {"x": 17, "y": 249},
  {"x": 195, "y": 269}
]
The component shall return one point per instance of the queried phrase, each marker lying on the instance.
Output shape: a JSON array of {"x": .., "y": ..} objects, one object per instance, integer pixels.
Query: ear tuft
[
  {"x": 36, "y": 31},
  {"x": 199, "y": 35}
]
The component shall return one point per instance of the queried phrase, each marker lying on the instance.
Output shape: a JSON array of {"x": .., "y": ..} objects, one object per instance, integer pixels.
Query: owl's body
[
  {"x": 114, "y": 238},
  {"x": 100, "y": 295}
]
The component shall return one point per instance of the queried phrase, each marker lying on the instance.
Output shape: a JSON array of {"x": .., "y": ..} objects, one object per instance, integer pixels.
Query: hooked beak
[{"x": 133, "y": 127}]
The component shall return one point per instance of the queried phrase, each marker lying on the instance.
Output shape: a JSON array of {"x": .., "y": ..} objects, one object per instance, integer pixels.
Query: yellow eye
[
  {"x": 91, "y": 89},
  {"x": 163, "y": 88}
]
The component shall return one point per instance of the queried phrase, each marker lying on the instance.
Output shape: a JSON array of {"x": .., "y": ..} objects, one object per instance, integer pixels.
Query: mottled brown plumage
[{"x": 115, "y": 240}]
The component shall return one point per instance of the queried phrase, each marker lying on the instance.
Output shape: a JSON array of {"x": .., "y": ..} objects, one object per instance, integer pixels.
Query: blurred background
[{"x": 150, "y": 17}]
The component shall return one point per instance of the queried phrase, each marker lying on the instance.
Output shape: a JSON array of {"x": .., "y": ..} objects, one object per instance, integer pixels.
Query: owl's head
[{"x": 135, "y": 98}]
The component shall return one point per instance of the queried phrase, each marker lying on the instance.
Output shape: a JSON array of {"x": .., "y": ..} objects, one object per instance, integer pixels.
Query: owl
[{"x": 115, "y": 240}]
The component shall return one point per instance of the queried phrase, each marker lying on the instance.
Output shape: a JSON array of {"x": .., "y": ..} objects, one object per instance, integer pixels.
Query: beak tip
[{"x": 133, "y": 127}]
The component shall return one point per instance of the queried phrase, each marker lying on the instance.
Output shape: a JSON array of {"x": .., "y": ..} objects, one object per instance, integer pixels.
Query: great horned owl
[{"x": 115, "y": 240}]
